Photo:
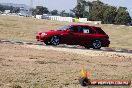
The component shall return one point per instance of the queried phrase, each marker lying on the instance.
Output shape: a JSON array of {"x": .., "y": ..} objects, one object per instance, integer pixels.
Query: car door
[
  {"x": 88, "y": 35},
  {"x": 69, "y": 36},
  {"x": 76, "y": 34},
  {"x": 73, "y": 35},
  {"x": 79, "y": 35}
]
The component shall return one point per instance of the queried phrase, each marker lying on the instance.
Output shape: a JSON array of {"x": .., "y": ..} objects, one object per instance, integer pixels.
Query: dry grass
[
  {"x": 120, "y": 36},
  {"x": 22, "y": 28}
]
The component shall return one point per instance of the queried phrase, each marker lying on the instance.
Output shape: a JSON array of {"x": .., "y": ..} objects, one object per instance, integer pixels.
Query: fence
[
  {"x": 39, "y": 16},
  {"x": 57, "y": 18},
  {"x": 67, "y": 19}
]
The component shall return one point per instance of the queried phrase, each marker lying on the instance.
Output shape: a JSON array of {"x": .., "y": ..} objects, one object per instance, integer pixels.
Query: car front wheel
[
  {"x": 96, "y": 44},
  {"x": 47, "y": 43},
  {"x": 55, "y": 40}
]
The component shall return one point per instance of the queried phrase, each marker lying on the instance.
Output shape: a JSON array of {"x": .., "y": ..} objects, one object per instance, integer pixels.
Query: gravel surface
[{"x": 32, "y": 66}]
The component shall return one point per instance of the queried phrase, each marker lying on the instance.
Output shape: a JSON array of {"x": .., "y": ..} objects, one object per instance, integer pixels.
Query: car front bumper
[{"x": 42, "y": 39}]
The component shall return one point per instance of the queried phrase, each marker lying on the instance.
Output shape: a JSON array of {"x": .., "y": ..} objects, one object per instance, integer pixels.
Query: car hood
[{"x": 53, "y": 32}]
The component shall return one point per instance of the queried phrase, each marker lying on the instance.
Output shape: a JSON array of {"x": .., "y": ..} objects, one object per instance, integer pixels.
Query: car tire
[
  {"x": 96, "y": 44},
  {"x": 55, "y": 40}
]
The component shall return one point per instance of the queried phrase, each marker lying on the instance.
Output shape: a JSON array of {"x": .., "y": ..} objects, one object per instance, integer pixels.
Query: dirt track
[{"x": 49, "y": 67}]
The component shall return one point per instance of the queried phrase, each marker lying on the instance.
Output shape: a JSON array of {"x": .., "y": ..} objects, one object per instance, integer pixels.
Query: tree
[
  {"x": 79, "y": 10},
  {"x": 62, "y": 13},
  {"x": 40, "y": 10},
  {"x": 109, "y": 14},
  {"x": 54, "y": 12},
  {"x": 2, "y": 8},
  {"x": 97, "y": 10},
  {"x": 123, "y": 16},
  {"x": 34, "y": 11},
  {"x": 82, "y": 9},
  {"x": 15, "y": 10},
  {"x": 11, "y": 8}
]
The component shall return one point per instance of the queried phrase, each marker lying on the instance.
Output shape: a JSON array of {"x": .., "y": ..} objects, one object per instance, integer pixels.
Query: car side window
[
  {"x": 88, "y": 30},
  {"x": 74, "y": 29},
  {"x": 80, "y": 29}
]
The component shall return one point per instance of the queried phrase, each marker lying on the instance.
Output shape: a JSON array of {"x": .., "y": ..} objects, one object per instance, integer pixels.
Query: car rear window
[{"x": 99, "y": 30}]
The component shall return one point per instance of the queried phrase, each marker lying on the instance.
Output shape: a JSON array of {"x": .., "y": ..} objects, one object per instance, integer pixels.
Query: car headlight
[{"x": 43, "y": 34}]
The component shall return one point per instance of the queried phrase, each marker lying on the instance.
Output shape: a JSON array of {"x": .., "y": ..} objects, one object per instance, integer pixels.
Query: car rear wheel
[
  {"x": 55, "y": 40},
  {"x": 96, "y": 44}
]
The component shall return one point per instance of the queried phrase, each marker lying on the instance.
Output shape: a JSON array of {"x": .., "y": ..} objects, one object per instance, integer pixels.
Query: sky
[{"x": 68, "y": 4}]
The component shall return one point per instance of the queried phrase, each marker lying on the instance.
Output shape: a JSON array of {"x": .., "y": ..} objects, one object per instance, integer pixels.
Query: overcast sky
[{"x": 68, "y": 4}]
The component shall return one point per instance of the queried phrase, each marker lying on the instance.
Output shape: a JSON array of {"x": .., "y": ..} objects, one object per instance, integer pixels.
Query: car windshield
[{"x": 64, "y": 27}]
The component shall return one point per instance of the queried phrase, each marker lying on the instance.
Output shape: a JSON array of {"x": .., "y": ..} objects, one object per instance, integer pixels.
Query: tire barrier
[
  {"x": 18, "y": 42},
  {"x": 5, "y": 41},
  {"x": 38, "y": 44},
  {"x": 108, "y": 49},
  {"x": 129, "y": 51},
  {"x": 0, "y": 41},
  {"x": 29, "y": 43}
]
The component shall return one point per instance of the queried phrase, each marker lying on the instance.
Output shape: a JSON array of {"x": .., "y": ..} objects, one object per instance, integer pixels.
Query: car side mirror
[{"x": 68, "y": 30}]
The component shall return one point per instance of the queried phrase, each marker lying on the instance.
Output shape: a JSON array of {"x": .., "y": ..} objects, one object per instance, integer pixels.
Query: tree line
[
  {"x": 11, "y": 8},
  {"x": 98, "y": 11},
  {"x": 40, "y": 10},
  {"x": 94, "y": 11}
]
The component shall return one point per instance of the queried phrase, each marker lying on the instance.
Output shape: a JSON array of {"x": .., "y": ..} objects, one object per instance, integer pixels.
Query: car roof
[{"x": 79, "y": 24}]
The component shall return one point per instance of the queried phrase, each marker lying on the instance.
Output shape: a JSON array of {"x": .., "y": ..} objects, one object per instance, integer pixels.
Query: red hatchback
[{"x": 76, "y": 34}]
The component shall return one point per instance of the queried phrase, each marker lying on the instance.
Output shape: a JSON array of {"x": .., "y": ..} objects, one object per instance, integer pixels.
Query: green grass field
[{"x": 26, "y": 28}]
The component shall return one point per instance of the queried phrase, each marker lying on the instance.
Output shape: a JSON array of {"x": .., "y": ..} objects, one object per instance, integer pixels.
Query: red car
[{"x": 76, "y": 34}]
